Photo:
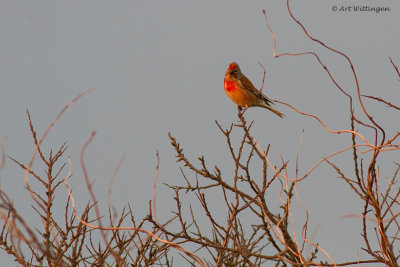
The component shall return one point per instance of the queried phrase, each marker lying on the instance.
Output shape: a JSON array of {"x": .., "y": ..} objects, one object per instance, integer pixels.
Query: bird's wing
[{"x": 248, "y": 85}]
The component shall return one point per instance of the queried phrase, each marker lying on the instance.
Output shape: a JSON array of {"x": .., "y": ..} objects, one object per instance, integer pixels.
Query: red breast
[{"x": 230, "y": 86}]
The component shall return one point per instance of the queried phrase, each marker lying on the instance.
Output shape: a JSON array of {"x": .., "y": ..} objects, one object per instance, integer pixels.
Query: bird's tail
[
  {"x": 273, "y": 110},
  {"x": 268, "y": 105}
]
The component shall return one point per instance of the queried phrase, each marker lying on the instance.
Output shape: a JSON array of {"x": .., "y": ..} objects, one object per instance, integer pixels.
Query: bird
[{"x": 242, "y": 92}]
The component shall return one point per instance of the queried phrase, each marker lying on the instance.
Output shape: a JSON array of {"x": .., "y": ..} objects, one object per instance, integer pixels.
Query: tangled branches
[{"x": 245, "y": 227}]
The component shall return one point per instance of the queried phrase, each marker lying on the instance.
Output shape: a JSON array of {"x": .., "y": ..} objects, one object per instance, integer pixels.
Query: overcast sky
[{"x": 158, "y": 67}]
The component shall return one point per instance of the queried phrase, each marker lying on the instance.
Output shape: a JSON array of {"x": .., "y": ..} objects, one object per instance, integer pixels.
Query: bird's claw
[{"x": 242, "y": 110}]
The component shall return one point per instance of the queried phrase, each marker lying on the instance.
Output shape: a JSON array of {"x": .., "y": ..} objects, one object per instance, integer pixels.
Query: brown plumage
[{"x": 241, "y": 91}]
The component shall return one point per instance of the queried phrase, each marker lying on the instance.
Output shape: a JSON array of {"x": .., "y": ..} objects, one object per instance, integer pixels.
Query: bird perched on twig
[{"x": 241, "y": 91}]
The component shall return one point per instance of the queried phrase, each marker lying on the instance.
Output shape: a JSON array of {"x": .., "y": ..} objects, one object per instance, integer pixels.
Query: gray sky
[{"x": 158, "y": 67}]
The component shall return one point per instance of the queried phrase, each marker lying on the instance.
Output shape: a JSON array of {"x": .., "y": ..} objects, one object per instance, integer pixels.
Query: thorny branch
[{"x": 244, "y": 227}]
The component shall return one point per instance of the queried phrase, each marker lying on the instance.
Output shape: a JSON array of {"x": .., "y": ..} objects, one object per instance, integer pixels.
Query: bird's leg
[{"x": 242, "y": 110}]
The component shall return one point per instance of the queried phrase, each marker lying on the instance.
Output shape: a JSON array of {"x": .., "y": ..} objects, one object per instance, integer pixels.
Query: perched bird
[{"x": 241, "y": 91}]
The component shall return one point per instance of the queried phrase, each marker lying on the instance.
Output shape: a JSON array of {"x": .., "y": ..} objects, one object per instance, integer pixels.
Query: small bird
[{"x": 241, "y": 91}]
